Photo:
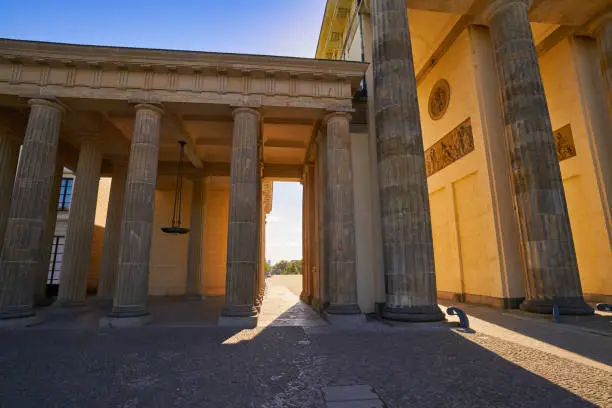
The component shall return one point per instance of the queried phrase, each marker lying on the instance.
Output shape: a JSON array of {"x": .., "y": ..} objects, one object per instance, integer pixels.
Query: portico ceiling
[{"x": 197, "y": 91}]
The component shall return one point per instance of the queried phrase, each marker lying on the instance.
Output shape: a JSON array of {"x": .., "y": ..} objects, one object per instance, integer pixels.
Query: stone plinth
[
  {"x": 193, "y": 284},
  {"x": 549, "y": 257},
  {"x": 341, "y": 212},
  {"x": 243, "y": 238},
  {"x": 404, "y": 201},
  {"x": 131, "y": 289},
  {"x": 21, "y": 251},
  {"x": 112, "y": 233},
  {"x": 79, "y": 235}
]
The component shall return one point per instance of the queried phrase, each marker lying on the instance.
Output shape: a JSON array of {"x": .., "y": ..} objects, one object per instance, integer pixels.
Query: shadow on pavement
[
  {"x": 280, "y": 365},
  {"x": 565, "y": 335}
]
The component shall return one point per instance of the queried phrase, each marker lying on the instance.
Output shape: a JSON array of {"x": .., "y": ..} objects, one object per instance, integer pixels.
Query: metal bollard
[
  {"x": 464, "y": 323},
  {"x": 556, "y": 315},
  {"x": 604, "y": 307}
]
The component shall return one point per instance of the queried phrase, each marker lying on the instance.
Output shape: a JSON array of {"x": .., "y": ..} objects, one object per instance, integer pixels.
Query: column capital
[
  {"x": 47, "y": 102},
  {"x": 243, "y": 109},
  {"x": 336, "y": 115},
  {"x": 157, "y": 108},
  {"x": 495, "y": 6}
]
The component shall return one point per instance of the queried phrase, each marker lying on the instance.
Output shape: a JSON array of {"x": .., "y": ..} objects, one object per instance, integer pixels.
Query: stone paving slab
[
  {"x": 351, "y": 396},
  {"x": 357, "y": 404},
  {"x": 184, "y": 363},
  {"x": 349, "y": 393}
]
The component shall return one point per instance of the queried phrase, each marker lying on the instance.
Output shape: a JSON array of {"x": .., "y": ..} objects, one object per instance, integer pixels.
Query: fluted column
[
  {"x": 408, "y": 260},
  {"x": 9, "y": 155},
  {"x": 112, "y": 233},
  {"x": 242, "y": 241},
  {"x": 40, "y": 284},
  {"x": 261, "y": 233},
  {"x": 195, "y": 264},
  {"x": 260, "y": 275},
  {"x": 603, "y": 33},
  {"x": 21, "y": 252},
  {"x": 312, "y": 241},
  {"x": 307, "y": 217},
  {"x": 262, "y": 257},
  {"x": 129, "y": 302},
  {"x": 79, "y": 234},
  {"x": 341, "y": 209},
  {"x": 549, "y": 257}
]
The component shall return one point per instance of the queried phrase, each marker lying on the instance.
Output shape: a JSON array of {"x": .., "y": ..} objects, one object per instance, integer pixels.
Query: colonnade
[
  {"x": 127, "y": 241},
  {"x": 28, "y": 221},
  {"x": 548, "y": 254},
  {"x": 30, "y": 192}
]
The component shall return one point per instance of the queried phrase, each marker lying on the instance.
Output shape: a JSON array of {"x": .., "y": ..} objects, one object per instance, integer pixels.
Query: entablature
[{"x": 78, "y": 71}]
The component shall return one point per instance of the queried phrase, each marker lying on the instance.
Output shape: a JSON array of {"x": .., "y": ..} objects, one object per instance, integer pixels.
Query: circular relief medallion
[{"x": 439, "y": 99}]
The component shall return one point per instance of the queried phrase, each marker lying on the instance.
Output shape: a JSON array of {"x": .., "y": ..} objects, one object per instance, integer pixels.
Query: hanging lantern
[{"x": 178, "y": 199}]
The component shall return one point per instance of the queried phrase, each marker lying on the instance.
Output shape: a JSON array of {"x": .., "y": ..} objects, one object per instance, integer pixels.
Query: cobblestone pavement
[{"x": 293, "y": 355}]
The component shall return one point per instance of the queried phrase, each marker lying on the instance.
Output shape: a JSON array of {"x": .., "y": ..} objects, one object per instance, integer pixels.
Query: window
[
  {"x": 55, "y": 263},
  {"x": 65, "y": 197}
]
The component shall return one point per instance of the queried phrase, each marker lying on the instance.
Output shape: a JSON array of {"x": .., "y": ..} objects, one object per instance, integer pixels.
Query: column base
[
  {"x": 343, "y": 309},
  {"x": 101, "y": 301},
  {"x": 567, "y": 306},
  {"x": 194, "y": 298},
  {"x": 43, "y": 300},
  {"x": 345, "y": 321},
  {"x": 70, "y": 304},
  {"x": 239, "y": 311},
  {"x": 306, "y": 298},
  {"x": 20, "y": 320},
  {"x": 238, "y": 322},
  {"x": 413, "y": 314},
  {"x": 122, "y": 322}
]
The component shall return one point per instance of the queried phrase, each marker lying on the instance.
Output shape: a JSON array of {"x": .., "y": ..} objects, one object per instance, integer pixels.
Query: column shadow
[
  {"x": 565, "y": 335},
  {"x": 424, "y": 365},
  {"x": 280, "y": 365}
]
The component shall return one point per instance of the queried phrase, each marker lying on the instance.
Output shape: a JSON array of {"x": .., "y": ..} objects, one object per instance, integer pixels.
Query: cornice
[
  {"x": 331, "y": 19},
  {"x": 143, "y": 59}
]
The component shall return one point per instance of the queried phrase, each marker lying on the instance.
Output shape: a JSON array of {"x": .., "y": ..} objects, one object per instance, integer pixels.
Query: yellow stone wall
[
  {"x": 562, "y": 84},
  {"x": 98, "y": 234},
  {"x": 168, "y": 261},
  {"x": 463, "y": 227},
  {"x": 215, "y": 235}
]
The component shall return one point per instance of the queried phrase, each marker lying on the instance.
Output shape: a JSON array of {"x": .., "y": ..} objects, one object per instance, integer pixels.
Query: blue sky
[{"x": 273, "y": 27}]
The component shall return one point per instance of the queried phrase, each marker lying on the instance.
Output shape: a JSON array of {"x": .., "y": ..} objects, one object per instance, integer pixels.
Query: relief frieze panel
[
  {"x": 564, "y": 143},
  {"x": 450, "y": 148}
]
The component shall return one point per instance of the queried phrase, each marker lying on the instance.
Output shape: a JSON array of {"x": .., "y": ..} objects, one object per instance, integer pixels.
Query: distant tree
[{"x": 287, "y": 268}]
